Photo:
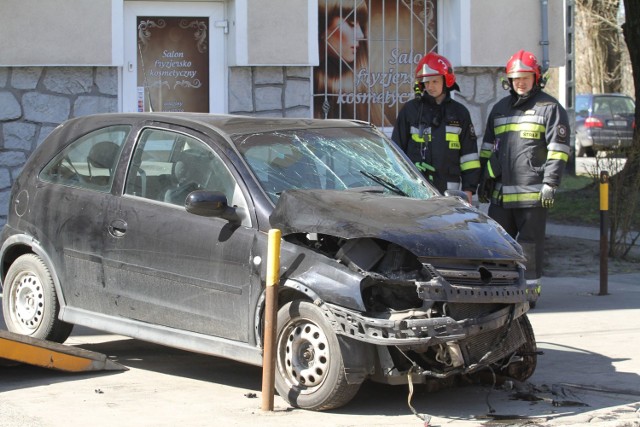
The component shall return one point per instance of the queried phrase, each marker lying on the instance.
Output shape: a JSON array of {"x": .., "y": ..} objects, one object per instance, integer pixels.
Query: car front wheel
[
  {"x": 528, "y": 352},
  {"x": 310, "y": 366},
  {"x": 29, "y": 302}
]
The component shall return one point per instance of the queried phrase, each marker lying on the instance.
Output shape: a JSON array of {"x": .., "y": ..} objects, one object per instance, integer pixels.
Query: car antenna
[{"x": 144, "y": 80}]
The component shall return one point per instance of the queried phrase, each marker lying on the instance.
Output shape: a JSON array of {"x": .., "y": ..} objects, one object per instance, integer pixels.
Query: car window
[
  {"x": 582, "y": 105},
  {"x": 90, "y": 161},
  {"x": 623, "y": 106},
  {"x": 330, "y": 159},
  {"x": 601, "y": 106},
  {"x": 168, "y": 165},
  {"x": 613, "y": 105}
]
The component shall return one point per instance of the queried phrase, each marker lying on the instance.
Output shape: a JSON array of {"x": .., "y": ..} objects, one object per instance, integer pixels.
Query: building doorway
[{"x": 174, "y": 57}]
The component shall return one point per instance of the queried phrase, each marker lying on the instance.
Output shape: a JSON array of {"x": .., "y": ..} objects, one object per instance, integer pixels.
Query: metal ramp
[{"x": 51, "y": 355}]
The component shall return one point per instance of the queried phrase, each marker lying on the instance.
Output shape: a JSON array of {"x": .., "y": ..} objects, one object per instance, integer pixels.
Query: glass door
[{"x": 174, "y": 57}]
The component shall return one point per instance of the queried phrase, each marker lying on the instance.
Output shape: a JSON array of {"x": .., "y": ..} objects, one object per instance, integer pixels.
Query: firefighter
[
  {"x": 436, "y": 132},
  {"x": 524, "y": 151}
]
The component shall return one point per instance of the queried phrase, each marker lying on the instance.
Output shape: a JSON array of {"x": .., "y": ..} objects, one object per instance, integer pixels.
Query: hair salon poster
[
  {"x": 368, "y": 54},
  {"x": 173, "y": 64}
]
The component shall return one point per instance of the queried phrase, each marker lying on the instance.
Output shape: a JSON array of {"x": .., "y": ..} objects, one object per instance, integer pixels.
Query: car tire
[
  {"x": 29, "y": 301},
  {"x": 310, "y": 370},
  {"x": 523, "y": 369},
  {"x": 580, "y": 150}
]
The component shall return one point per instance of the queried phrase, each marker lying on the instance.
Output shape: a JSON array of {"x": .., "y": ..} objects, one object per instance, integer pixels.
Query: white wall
[
  {"x": 60, "y": 32},
  {"x": 273, "y": 32},
  {"x": 485, "y": 33}
]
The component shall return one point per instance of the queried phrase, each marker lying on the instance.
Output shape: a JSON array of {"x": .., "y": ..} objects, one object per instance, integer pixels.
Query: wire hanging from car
[
  {"x": 426, "y": 418},
  {"x": 493, "y": 385}
]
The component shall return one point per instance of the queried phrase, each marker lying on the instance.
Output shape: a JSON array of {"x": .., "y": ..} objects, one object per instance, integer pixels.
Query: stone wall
[
  {"x": 480, "y": 89},
  {"x": 286, "y": 91},
  {"x": 34, "y": 100},
  {"x": 270, "y": 91}
]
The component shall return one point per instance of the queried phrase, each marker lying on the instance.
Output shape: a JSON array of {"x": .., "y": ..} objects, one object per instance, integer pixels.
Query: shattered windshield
[{"x": 350, "y": 159}]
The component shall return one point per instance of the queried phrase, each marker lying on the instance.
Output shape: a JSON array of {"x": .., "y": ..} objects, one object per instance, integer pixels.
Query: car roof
[
  {"x": 225, "y": 123},
  {"x": 595, "y": 95}
]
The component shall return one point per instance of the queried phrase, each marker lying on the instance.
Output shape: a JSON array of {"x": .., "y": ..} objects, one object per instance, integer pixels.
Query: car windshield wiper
[
  {"x": 367, "y": 189},
  {"x": 386, "y": 184}
]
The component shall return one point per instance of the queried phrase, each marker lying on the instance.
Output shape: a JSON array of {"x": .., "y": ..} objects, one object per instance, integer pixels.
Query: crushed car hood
[{"x": 441, "y": 227}]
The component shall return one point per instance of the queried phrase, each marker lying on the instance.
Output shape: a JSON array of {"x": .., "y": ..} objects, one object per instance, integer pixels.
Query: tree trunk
[
  {"x": 627, "y": 181},
  {"x": 598, "y": 22},
  {"x": 631, "y": 31}
]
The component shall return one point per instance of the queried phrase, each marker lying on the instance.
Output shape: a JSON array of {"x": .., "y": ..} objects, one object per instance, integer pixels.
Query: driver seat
[{"x": 189, "y": 173}]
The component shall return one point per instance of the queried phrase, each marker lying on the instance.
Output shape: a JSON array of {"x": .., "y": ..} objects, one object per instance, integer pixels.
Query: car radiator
[{"x": 490, "y": 346}]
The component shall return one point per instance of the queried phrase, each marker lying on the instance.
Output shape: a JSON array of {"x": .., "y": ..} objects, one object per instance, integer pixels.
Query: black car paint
[
  {"x": 82, "y": 253},
  {"x": 64, "y": 233},
  {"x": 442, "y": 228}
]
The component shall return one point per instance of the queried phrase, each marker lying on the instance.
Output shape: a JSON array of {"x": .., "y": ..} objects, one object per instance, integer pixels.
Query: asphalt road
[{"x": 587, "y": 373}]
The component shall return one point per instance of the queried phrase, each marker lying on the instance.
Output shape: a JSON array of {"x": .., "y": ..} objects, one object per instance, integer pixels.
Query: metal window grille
[{"x": 368, "y": 53}]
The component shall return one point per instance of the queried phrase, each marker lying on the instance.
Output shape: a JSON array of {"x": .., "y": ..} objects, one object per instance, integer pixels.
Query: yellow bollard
[
  {"x": 604, "y": 235},
  {"x": 270, "y": 320}
]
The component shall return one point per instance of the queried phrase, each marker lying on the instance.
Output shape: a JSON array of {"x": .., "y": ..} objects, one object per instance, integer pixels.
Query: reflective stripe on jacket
[{"x": 441, "y": 141}]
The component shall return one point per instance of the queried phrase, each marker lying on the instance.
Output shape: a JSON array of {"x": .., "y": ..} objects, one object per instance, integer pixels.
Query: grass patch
[
  {"x": 578, "y": 202},
  {"x": 577, "y": 206},
  {"x": 575, "y": 182}
]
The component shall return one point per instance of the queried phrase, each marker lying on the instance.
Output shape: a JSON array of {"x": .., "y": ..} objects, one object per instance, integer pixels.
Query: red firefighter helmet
[
  {"x": 521, "y": 63},
  {"x": 433, "y": 65}
]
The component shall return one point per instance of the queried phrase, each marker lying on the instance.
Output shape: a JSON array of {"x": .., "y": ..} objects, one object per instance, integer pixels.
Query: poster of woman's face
[{"x": 368, "y": 53}]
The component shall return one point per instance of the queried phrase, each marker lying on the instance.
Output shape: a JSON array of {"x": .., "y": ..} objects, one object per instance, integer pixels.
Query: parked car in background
[
  {"x": 604, "y": 122},
  {"x": 155, "y": 226}
]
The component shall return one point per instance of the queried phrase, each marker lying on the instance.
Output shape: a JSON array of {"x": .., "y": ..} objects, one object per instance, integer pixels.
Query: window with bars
[{"x": 368, "y": 53}]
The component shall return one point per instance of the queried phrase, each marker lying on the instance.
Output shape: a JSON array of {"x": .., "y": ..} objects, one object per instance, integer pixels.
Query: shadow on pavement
[{"x": 521, "y": 401}]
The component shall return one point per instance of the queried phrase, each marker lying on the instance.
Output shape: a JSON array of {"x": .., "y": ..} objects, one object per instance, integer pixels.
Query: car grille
[
  {"x": 500, "y": 342},
  {"x": 481, "y": 276}
]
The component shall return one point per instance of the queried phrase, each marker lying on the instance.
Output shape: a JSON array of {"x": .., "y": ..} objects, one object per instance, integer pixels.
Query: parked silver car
[{"x": 604, "y": 122}]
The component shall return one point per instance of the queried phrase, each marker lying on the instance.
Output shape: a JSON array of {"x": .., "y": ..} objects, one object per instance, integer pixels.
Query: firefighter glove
[
  {"x": 485, "y": 189},
  {"x": 546, "y": 195}
]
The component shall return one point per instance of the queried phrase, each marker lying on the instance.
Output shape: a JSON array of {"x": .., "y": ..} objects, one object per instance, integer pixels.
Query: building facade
[{"x": 284, "y": 58}]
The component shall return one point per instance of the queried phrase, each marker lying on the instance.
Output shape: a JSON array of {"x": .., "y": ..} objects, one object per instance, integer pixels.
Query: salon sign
[
  {"x": 173, "y": 64},
  {"x": 368, "y": 52}
]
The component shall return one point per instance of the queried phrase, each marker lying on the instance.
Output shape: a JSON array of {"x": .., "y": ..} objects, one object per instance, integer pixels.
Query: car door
[
  {"x": 74, "y": 190},
  {"x": 168, "y": 267}
]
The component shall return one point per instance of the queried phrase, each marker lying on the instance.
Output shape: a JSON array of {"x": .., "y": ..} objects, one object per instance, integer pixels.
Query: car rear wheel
[
  {"x": 310, "y": 370},
  {"x": 29, "y": 302}
]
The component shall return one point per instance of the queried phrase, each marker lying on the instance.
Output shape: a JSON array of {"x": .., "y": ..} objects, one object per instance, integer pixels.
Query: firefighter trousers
[{"x": 528, "y": 227}]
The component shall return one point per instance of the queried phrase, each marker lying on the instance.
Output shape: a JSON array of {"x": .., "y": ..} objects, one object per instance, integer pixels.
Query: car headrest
[
  {"x": 191, "y": 165},
  {"x": 103, "y": 154}
]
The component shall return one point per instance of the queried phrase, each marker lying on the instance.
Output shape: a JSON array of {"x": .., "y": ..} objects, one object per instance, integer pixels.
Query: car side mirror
[
  {"x": 210, "y": 204},
  {"x": 583, "y": 113}
]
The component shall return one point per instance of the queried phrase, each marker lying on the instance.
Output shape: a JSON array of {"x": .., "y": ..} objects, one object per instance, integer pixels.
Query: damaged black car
[{"x": 155, "y": 226}]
